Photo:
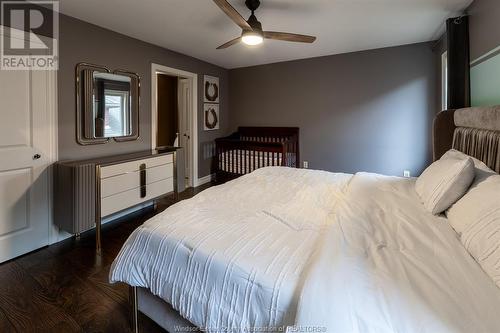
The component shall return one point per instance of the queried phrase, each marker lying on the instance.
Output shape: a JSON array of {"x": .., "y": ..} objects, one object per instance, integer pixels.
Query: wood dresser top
[{"x": 115, "y": 159}]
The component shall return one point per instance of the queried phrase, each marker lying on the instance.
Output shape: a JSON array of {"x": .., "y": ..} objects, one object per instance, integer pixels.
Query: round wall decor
[
  {"x": 211, "y": 91},
  {"x": 211, "y": 118}
]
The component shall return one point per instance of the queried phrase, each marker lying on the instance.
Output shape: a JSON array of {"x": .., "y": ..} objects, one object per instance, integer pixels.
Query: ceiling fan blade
[
  {"x": 230, "y": 43},
  {"x": 233, "y": 14},
  {"x": 289, "y": 37}
]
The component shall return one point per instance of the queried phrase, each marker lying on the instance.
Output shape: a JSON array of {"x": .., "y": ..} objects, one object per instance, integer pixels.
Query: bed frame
[
  {"x": 251, "y": 148},
  {"x": 474, "y": 131}
]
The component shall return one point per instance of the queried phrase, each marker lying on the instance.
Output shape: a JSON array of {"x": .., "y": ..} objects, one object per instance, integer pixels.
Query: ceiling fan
[{"x": 252, "y": 33}]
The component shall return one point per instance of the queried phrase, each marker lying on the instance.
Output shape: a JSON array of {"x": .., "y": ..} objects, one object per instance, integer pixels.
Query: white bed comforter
[
  {"x": 232, "y": 257},
  {"x": 337, "y": 252},
  {"x": 387, "y": 265}
]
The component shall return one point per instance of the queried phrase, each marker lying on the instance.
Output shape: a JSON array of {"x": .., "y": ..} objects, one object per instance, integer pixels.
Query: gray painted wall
[
  {"x": 484, "y": 26},
  {"x": 364, "y": 111},
  {"x": 84, "y": 42}
]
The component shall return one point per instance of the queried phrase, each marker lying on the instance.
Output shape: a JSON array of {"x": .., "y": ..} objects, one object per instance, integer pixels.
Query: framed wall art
[
  {"x": 211, "y": 89},
  {"x": 210, "y": 117}
]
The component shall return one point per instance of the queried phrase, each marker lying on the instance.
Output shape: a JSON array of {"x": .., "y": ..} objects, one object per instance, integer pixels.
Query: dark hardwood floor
[{"x": 64, "y": 287}]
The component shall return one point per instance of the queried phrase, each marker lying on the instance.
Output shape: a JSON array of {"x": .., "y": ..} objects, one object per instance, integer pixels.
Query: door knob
[
  {"x": 36, "y": 156},
  {"x": 187, "y": 136}
]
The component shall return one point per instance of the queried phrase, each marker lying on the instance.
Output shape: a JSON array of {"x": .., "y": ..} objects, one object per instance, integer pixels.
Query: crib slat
[
  {"x": 247, "y": 161},
  {"x": 244, "y": 170},
  {"x": 217, "y": 155},
  {"x": 232, "y": 160},
  {"x": 245, "y": 158},
  {"x": 253, "y": 159},
  {"x": 240, "y": 171}
]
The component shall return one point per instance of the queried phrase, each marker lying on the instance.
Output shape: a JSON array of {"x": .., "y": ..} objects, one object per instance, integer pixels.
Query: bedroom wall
[
  {"x": 485, "y": 52},
  {"x": 364, "y": 111},
  {"x": 84, "y": 42}
]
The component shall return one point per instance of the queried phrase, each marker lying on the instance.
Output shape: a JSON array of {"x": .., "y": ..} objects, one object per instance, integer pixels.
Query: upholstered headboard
[{"x": 474, "y": 131}]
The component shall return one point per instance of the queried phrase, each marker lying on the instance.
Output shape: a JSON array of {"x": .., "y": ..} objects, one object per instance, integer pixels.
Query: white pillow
[
  {"x": 480, "y": 235},
  {"x": 457, "y": 216},
  {"x": 444, "y": 182},
  {"x": 482, "y": 170}
]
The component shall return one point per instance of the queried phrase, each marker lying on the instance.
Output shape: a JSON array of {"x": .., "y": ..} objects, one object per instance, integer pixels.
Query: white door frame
[
  {"x": 193, "y": 81},
  {"x": 52, "y": 131},
  {"x": 184, "y": 115},
  {"x": 55, "y": 235},
  {"x": 52, "y": 106}
]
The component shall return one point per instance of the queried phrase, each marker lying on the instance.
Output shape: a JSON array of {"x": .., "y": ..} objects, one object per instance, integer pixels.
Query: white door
[
  {"x": 184, "y": 95},
  {"x": 26, "y": 148}
]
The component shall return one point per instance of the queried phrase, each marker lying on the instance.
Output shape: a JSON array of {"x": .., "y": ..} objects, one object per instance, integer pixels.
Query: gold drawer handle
[{"x": 142, "y": 176}]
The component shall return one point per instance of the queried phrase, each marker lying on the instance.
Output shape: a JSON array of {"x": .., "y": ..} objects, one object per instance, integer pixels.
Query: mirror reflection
[{"x": 111, "y": 105}]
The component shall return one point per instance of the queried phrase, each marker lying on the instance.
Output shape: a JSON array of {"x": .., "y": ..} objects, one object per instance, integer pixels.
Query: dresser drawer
[
  {"x": 127, "y": 167},
  {"x": 126, "y": 199},
  {"x": 130, "y": 180}
]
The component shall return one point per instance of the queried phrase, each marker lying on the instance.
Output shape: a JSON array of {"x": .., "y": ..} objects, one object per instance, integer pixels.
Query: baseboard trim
[{"x": 205, "y": 180}]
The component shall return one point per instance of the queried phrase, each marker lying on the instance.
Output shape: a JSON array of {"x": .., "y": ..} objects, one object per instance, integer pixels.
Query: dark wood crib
[{"x": 251, "y": 148}]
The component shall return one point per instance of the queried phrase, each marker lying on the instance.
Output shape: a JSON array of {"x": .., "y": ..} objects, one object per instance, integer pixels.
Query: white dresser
[
  {"x": 130, "y": 183},
  {"x": 88, "y": 190}
]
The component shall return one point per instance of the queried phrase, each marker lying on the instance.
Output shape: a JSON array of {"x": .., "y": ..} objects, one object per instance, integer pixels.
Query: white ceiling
[{"x": 197, "y": 27}]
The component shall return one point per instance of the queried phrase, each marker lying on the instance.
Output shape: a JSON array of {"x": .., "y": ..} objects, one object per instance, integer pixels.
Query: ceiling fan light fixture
[
  {"x": 252, "y": 33},
  {"x": 252, "y": 38}
]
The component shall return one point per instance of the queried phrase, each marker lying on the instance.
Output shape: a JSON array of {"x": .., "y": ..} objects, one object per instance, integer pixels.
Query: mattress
[
  {"x": 388, "y": 265},
  {"x": 313, "y": 250},
  {"x": 244, "y": 161},
  {"x": 222, "y": 260}
]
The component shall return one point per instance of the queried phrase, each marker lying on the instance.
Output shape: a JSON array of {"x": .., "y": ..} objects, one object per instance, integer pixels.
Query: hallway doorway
[{"x": 174, "y": 111}]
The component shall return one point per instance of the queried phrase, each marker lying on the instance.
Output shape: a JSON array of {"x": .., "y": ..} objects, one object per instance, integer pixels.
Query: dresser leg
[
  {"x": 134, "y": 310},
  {"x": 98, "y": 209},
  {"x": 98, "y": 237}
]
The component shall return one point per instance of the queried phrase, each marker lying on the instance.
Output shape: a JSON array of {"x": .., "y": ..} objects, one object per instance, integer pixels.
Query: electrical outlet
[
  {"x": 407, "y": 173},
  {"x": 305, "y": 164}
]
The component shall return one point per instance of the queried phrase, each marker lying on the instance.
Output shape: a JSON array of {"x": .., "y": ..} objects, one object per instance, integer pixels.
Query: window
[
  {"x": 112, "y": 105},
  {"x": 444, "y": 81},
  {"x": 115, "y": 113}
]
